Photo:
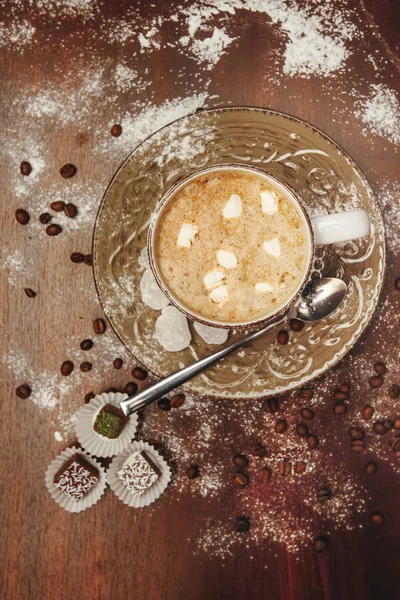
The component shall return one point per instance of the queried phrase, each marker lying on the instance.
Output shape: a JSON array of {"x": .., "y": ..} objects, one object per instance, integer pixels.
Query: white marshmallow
[
  {"x": 269, "y": 202},
  {"x": 211, "y": 335},
  {"x": 226, "y": 259},
  {"x": 172, "y": 330},
  {"x": 219, "y": 295},
  {"x": 213, "y": 278},
  {"x": 261, "y": 287},
  {"x": 151, "y": 294},
  {"x": 273, "y": 247},
  {"x": 186, "y": 235},
  {"x": 233, "y": 208}
]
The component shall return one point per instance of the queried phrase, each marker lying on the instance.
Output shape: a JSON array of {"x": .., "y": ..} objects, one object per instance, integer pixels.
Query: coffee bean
[
  {"x": 85, "y": 367},
  {"x": 193, "y": 471},
  {"x": 117, "y": 363},
  {"x": 260, "y": 450},
  {"x": 357, "y": 445},
  {"x": 281, "y": 426},
  {"x": 370, "y": 467},
  {"x": 76, "y": 257},
  {"x": 380, "y": 368},
  {"x": 272, "y": 405},
  {"x": 23, "y": 391},
  {"x": 178, "y": 400},
  {"x": 30, "y": 293},
  {"x": 388, "y": 424},
  {"x": 139, "y": 373},
  {"x": 339, "y": 395},
  {"x": 397, "y": 423},
  {"x": 367, "y": 412},
  {"x": 88, "y": 260},
  {"x": 131, "y": 388},
  {"x": 339, "y": 408},
  {"x": 116, "y": 130},
  {"x": 320, "y": 544},
  {"x": 264, "y": 474},
  {"x": 306, "y": 393},
  {"x": 22, "y": 216},
  {"x": 356, "y": 433},
  {"x": 376, "y": 381},
  {"x": 397, "y": 283},
  {"x": 25, "y": 168},
  {"x": 302, "y": 430},
  {"x": 284, "y": 468},
  {"x": 111, "y": 390},
  {"x": 164, "y": 404},
  {"x": 70, "y": 210},
  {"x": 300, "y": 467},
  {"x": 67, "y": 171},
  {"x": 324, "y": 494},
  {"x": 307, "y": 413},
  {"x": 88, "y": 397},
  {"x": 377, "y": 518},
  {"x": 296, "y": 324},
  {"x": 312, "y": 441},
  {"x": 283, "y": 337},
  {"x": 53, "y": 229},
  {"x": 86, "y": 345},
  {"x": 379, "y": 428},
  {"x": 45, "y": 218},
  {"x": 67, "y": 367},
  {"x": 394, "y": 391},
  {"x": 57, "y": 206},
  {"x": 345, "y": 387},
  {"x": 241, "y": 479},
  {"x": 99, "y": 326},
  {"x": 241, "y": 525},
  {"x": 395, "y": 444},
  {"x": 241, "y": 461}
]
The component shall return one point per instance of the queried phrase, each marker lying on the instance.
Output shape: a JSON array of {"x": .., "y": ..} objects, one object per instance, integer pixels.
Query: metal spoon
[{"x": 319, "y": 299}]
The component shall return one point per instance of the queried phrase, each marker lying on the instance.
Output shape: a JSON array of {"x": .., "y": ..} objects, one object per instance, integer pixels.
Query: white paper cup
[
  {"x": 153, "y": 492},
  {"x": 64, "y": 501},
  {"x": 93, "y": 442}
]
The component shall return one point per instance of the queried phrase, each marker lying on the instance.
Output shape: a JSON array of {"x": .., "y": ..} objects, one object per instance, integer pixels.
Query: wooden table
[{"x": 111, "y": 551}]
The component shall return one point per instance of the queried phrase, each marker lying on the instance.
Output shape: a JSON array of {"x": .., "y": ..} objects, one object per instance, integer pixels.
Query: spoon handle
[{"x": 166, "y": 385}]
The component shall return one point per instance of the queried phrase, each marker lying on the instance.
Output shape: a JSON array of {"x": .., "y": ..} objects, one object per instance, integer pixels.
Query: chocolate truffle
[
  {"x": 110, "y": 421},
  {"x": 76, "y": 477},
  {"x": 139, "y": 473}
]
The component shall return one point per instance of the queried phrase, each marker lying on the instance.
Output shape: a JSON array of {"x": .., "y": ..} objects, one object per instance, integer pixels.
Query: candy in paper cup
[
  {"x": 66, "y": 502},
  {"x": 94, "y": 442},
  {"x": 120, "y": 488}
]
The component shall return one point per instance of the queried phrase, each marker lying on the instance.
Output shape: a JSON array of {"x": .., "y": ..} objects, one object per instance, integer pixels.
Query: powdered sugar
[
  {"x": 380, "y": 112},
  {"x": 18, "y": 35}
]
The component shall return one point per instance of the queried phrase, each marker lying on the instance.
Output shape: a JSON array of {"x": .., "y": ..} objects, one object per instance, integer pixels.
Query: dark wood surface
[{"x": 111, "y": 551}]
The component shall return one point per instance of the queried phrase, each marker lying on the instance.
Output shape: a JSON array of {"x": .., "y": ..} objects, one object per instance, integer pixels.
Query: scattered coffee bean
[
  {"x": 22, "y": 216},
  {"x": 57, "y": 206},
  {"x": 67, "y": 367},
  {"x": 379, "y": 428},
  {"x": 241, "y": 525},
  {"x": 377, "y": 518},
  {"x": 260, "y": 450},
  {"x": 394, "y": 391},
  {"x": 88, "y": 397},
  {"x": 178, "y": 400},
  {"x": 300, "y": 467},
  {"x": 23, "y": 391},
  {"x": 272, "y": 405},
  {"x": 241, "y": 461},
  {"x": 117, "y": 363},
  {"x": 283, "y": 337},
  {"x": 45, "y": 218},
  {"x": 380, "y": 367},
  {"x": 131, "y": 388},
  {"x": 307, "y": 413},
  {"x": 53, "y": 229},
  {"x": 296, "y": 324},
  {"x": 85, "y": 367},
  {"x": 99, "y": 326},
  {"x": 241, "y": 479},
  {"x": 281, "y": 426},
  {"x": 86, "y": 344},
  {"x": 396, "y": 423},
  {"x": 116, "y": 130},
  {"x": 164, "y": 404},
  {"x": 67, "y": 171},
  {"x": 395, "y": 444},
  {"x": 312, "y": 441},
  {"x": 302, "y": 430},
  {"x": 345, "y": 387},
  {"x": 70, "y": 210},
  {"x": 320, "y": 543},
  {"x": 26, "y": 168},
  {"x": 193, "y": 471},
  {"x": 356, "y": 433},
  {"x": 264, "y": 474},
  {"x": 397, "y": 283},
  {"x": 284, "y": 468},
  {"x": 370, "y": 467},
  {"x": 111, "y": 390},
  {"x": 139, "y": 373},
  {"x": 324, "y": 494},
  {"x": 88, "y": 260},
  {"x": 339, "y": 408},
  {"x": 76, "y": 257},
  {"x": 376, "y": 381},
  {"x": 368, "y": 412},
  {"x": 30, "y": 293},
  {"x": 388, "y": 424},
  {"x": 306, "y": 393},
  {"x": 339, "y": 395},
  {"x": 357, "y": 445}
]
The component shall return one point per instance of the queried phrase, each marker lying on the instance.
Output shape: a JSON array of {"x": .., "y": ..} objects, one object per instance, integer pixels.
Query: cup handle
[{"x": 341, "y": 227}]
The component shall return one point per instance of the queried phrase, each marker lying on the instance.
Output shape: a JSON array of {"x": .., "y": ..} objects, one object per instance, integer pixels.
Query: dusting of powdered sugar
[
  {"x": 16, "y": 35},
  {"x": 380, "y": 112}
]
